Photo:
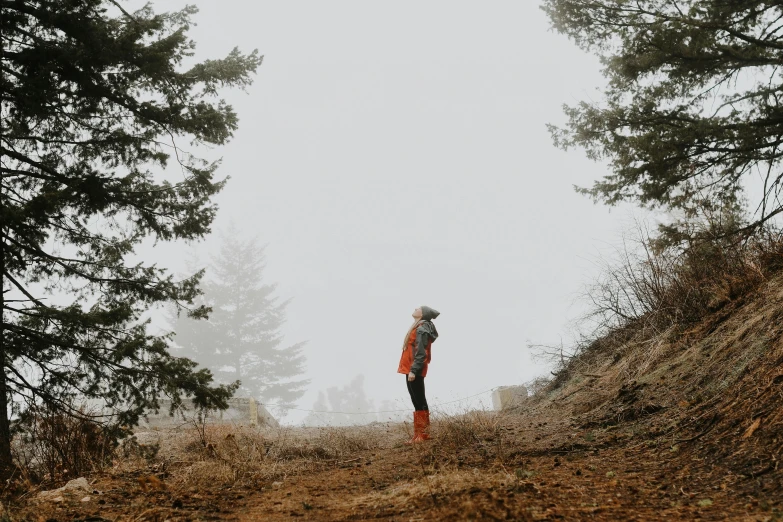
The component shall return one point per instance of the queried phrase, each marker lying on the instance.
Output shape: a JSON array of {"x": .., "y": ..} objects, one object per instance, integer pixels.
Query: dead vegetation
[
  {"x": 676, "y": 328},
  {"x": 669, "y": 414},
  {"x": 52, "y": 446},
  {"x": 539, "y": 465}
]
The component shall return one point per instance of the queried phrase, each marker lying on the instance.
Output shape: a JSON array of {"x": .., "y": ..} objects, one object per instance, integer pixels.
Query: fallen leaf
[{"x": 753, "y": 427}]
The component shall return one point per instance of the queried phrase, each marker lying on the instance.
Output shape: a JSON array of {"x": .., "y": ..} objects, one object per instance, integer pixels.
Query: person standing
[{"x": 415, "y": 359}]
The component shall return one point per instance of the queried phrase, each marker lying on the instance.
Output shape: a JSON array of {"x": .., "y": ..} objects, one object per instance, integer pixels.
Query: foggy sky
[{"x": 394, "y": 154}]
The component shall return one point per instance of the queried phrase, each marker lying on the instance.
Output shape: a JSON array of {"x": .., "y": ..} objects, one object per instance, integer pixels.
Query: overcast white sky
[{"x": 394, "y": 154}]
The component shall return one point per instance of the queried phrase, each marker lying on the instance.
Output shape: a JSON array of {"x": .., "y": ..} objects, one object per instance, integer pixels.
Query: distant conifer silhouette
[{"x": 242, "y": 339}]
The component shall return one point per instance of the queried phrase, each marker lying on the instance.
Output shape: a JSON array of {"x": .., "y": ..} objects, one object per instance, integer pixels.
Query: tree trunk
[{"x": 6, "y": 463}]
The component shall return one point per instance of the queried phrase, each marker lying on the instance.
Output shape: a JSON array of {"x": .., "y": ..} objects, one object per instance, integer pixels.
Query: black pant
[{"x": 416, "y": 389}]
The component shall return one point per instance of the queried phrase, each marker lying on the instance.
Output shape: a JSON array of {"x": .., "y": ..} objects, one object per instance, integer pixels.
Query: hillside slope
[
  {"x": 714, "y": 393},
  {"x": 722, "y": 375}
]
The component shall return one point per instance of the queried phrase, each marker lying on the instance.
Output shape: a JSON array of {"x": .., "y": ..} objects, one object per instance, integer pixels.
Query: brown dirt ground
[
  {"x": 509, "y": 467},
  {"x": 684, "y": 427}
]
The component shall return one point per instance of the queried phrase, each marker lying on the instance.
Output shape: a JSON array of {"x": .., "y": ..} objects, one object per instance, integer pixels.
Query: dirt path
[
  {"x": 479, "y": 467},
  {"x": 689, "y": 427},
  {"x": 631, "y": 481}
]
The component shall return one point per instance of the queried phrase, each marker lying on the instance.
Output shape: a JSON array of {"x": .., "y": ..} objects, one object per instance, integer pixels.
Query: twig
[
  {"x": 770, "y": 467},
  {"x": 427, "y": 480},
  {"x": 572, "y": 393},
  {"x": 711, "y": 425},
  {"x": 144, "y": 513},
  {"x": 126, "y": 13}
]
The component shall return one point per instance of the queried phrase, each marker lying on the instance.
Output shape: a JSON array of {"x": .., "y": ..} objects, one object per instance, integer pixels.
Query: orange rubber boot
[
  {"x": 421, "y": 427},
  {"x": 416, "y": 425},
  {"x": 424, "y": 431}
]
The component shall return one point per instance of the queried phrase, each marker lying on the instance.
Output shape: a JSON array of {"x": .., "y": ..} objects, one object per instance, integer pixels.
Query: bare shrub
[
  {"x": 558, "y": 355},
  {"x": 538, "y": 385},
  {"x": 659, "y": 283},
  {"x": 55, "y": 446}
]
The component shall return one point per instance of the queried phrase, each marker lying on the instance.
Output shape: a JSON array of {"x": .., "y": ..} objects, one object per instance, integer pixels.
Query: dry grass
[
  {"x": 715, "y": 378},
  {"x": 652, "y": 305},
  {"x": 196, "y": 458},
  {"x": 655, "y": 285},
  {"x": 231, "y": 456},
  {"x": 647, "y": 422},
  {"x": 479, "y": 466},
  {"x": 442, "y": 485},
  {"x": 469, "y": 429}
]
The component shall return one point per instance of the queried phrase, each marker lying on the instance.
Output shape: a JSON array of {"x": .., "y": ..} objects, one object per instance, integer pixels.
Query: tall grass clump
[{"x": 466, "y": 429}]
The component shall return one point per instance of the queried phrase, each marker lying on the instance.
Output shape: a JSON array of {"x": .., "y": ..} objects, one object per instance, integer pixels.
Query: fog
[{"x": 396, "y": 154}]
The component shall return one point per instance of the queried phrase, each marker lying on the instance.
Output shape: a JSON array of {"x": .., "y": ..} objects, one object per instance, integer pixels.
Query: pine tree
[
  {"x": 94, "y": 101},
  {"x": 693, "y": 107},
  {"x": 242, "y": 340}
]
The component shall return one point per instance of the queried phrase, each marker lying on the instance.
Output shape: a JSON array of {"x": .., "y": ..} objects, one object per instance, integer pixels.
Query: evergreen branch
[{"x": 21, "y": 289}]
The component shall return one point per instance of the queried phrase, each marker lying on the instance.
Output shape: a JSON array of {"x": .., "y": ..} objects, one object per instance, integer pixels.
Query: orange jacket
[{"x": 419, "y": 347}]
